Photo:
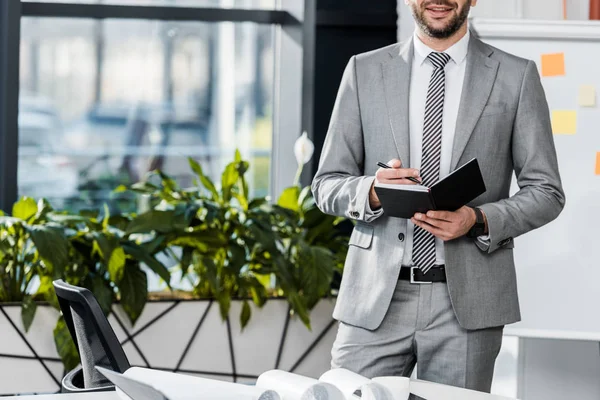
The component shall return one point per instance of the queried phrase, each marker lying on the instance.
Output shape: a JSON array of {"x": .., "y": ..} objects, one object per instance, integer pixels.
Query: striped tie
[{"x": 424, "y": 242}]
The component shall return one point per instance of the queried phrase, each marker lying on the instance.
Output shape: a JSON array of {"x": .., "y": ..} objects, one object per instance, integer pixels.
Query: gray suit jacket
[{"x": 503, "y": 121}]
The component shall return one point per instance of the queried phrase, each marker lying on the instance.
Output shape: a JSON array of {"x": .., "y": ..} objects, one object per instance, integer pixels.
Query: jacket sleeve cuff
[
  {"x": 498, "y": 233},
  {"x": 367, "y": 214}
]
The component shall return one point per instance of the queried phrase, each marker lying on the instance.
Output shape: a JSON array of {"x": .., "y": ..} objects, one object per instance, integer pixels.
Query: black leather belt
[{"x": 414, "y": 274}]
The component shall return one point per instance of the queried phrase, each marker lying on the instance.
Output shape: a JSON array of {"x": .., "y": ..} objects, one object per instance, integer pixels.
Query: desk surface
[{"x": 85, "y": 396}]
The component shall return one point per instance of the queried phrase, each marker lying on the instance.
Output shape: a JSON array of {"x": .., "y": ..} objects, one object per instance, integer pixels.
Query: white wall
[
  {"x": 531, "y": 9},
  {"x": 547, "y": 369}
]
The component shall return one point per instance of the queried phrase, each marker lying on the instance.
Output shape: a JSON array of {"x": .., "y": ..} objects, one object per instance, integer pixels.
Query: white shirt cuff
[{"x": 483, "y": 242}]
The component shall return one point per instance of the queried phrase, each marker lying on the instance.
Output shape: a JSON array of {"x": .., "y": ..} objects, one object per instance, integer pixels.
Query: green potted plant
[{"x": 256, "y": 260}]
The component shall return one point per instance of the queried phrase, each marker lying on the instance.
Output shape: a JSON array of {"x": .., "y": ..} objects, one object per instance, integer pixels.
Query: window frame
[{"x": 291, "y": 37}]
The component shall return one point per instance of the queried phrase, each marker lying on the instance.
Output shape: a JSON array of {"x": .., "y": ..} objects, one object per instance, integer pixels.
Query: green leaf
[
  {"x": 153, "y": 220},
  {"x": 224, "y": 300},
  {"x": 236, "y": 257},
  {"x": 229, "y": 178},
  {"x": 46, "y": 290},
  {"x": 43, "y": 208},
  {"x": 103, "y": 294},
  {"x": 259, "y": 295},
  {"x": 154, "y": 245},
  {"x": 245, "y": 314},
  {"x": 289, "y": 198},
  {"x": 52, "y": 246},
  {"x": 119, "y": 221},
  {"x": 168, "y": 183},
  {"x": 120, "y": 189},
  {"x": 106, "y": 244},
  {"x": 238, "y": 156},
  {"x": 139, "y": 254},
  {"x": 67, "y": 219},
  {"x": 298, "y": 307},
  {"x": 186, "y": 258},
  {"x": 317, "y": 265},
  {"x": 64, "y": 345},
  {"x": 89, "y": 213},
  {"x": 203, "y": 241},
  {"x": 206, "y": 182},
  {"x": 144, "y": 188},
  {"x": 25, "y": 208},
  {"x": 28, "y": 308},
  {"x": 306, "y": 197},
  {"x": 106, "y": 219},
  {"x": 116, "y": 264},
  {"x": 265, "y": 280},
  {"x": 134, "y": 291},
  {"x": 242, "y": 200},
  {"x": 262, "y": 234},
  {"x": 257, "y": 202}
]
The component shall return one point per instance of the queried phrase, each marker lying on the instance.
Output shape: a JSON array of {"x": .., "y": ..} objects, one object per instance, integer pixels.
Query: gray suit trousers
[{"x": 420, "y": 325}]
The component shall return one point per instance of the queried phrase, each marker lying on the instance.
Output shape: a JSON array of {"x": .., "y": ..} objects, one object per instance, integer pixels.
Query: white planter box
[{"x": 184, "y": 336}]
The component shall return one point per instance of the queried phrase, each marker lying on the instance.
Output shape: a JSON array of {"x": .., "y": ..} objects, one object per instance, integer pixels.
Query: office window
[
  {"x": 243, "y": 4},
  {"x": 104, "y": 102}
]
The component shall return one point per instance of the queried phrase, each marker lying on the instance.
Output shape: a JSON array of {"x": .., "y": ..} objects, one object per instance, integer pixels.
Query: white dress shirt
[{"x": 422, "y": 70}]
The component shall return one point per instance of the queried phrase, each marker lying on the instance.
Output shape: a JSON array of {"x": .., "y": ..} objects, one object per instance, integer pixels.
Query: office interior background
[{"x": 95, "y": 94}]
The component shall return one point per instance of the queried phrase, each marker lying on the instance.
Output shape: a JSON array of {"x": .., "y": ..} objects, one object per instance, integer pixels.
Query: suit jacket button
[{"x": 401, "y": 237}]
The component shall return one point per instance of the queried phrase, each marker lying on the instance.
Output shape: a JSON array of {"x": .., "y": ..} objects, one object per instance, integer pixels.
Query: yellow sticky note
[
  {"x": 564, "y": 122},
  {"x": 598, "y": 163},
  {"x": 553, "y": 64},
  {"x": 587, "y": 96}
]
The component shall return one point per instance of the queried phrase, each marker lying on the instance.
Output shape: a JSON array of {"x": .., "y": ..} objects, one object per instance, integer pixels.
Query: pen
[{"x": 410, "y": 178}]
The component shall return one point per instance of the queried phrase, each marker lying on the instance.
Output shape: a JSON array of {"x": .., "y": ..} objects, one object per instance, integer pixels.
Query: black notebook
[{"x": 449, "y": 194}]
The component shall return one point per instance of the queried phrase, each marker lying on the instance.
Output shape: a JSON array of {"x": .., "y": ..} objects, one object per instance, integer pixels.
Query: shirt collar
[{"x": 457, "y": 52}]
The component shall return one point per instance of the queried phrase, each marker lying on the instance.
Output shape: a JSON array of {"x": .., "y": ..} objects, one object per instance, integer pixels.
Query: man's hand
[
  {"x": 394, "y": 175},
  {"x": 447, "y": 225}
]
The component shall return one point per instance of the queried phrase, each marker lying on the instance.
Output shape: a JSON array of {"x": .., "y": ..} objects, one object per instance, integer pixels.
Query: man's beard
[{"x": 450, "y": 29}]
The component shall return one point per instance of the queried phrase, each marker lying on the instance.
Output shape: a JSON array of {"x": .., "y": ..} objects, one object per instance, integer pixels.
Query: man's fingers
[
  {"x": 395, "y": 163},
  {"x": 396, "y": 173},
  {"x": 434, "y": 230},
  {"x": 402, "y": 181},
  {"x": 441, "y": 215},
  {"x": 438, "y": 223}
]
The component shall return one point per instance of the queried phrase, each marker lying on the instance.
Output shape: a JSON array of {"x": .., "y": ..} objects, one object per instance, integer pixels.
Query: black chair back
[{"x": 95, "y": 339}]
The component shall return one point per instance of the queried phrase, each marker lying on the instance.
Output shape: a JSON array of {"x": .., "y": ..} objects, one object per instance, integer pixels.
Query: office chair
[{"x": 94, "y": 338}]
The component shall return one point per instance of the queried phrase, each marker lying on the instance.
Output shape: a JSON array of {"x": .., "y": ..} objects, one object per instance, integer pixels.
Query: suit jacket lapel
[
  {"x": 480, "y": 76},
  {"x": 396, "y": 79}
]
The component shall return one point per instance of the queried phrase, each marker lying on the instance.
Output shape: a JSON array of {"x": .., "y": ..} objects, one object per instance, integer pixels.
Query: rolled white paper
[
  {"x": 296, "y": 387},
  {"x": 375, "y": 391},
  {"x": 398, "y": 387},
  {"x": 346, "y": 381}
]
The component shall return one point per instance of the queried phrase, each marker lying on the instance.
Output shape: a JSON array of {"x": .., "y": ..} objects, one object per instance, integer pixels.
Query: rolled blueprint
[
  {"x": 354, "y": 386},
  {"x": 398, "y": 387},
  {"x": 346, "y": 381},
  {"x": 296, "y": 387}
]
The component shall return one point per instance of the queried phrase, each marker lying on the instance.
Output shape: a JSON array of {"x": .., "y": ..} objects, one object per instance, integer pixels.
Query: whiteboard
[{"x": 558, "y": 265}]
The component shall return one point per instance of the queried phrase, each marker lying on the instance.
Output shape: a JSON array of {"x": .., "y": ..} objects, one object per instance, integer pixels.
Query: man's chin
[
  {"x": 438, "y": 28},
  {"x": 438, "y": 25}
]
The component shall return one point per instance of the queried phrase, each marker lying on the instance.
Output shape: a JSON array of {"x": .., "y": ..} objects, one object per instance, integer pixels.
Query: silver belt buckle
[{"x": 412, "y": 277}]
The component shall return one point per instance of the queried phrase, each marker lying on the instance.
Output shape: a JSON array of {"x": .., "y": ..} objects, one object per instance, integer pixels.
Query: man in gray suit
[{"x": 439, "y": 288}]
